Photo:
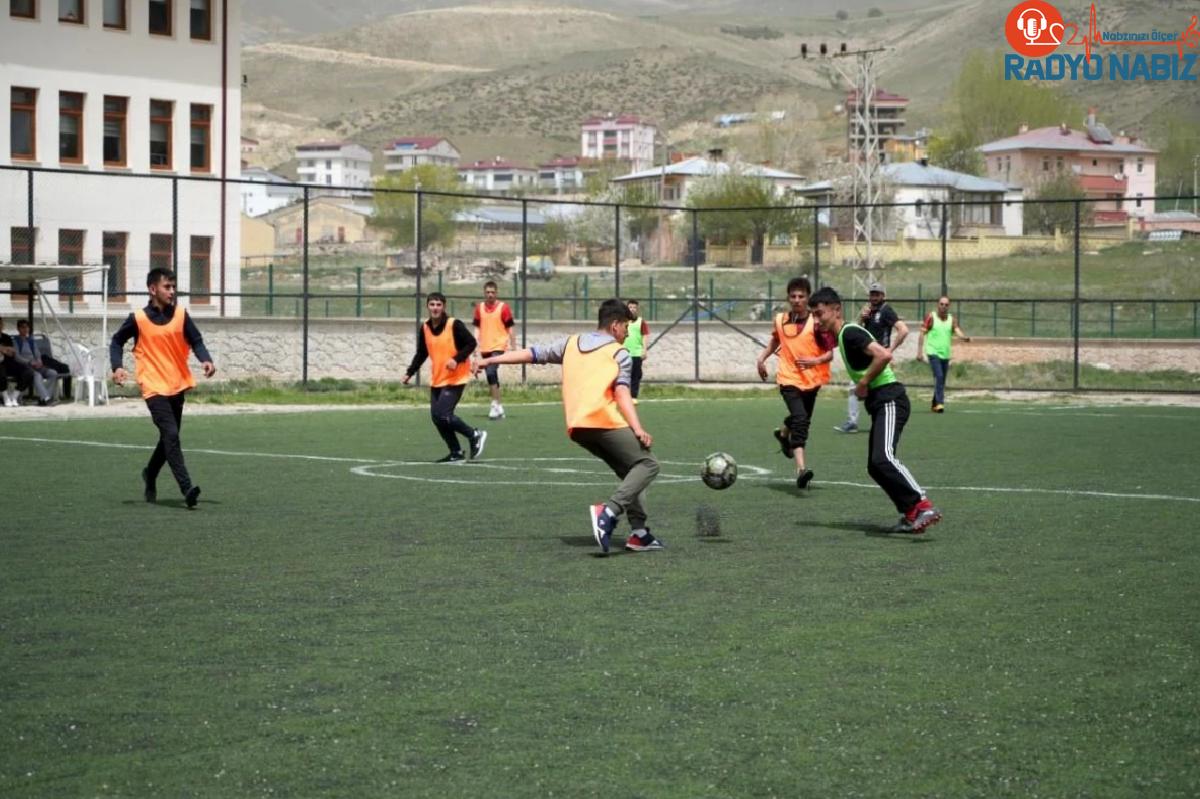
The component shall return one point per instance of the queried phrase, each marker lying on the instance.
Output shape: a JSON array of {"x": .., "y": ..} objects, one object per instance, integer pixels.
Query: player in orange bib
[
  {"x": 163, "y": 335},
  {"x": 600, "y": 417},
  {"x": 804, "y": 356},
  {"x": 448, "y": 345},
  {"x": 494, "y": 321}
]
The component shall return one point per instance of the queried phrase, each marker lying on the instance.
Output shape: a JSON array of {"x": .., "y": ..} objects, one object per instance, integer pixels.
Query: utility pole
[
  {"x": 1195, "y": 164},
  {"x": 863, "y": 154}
]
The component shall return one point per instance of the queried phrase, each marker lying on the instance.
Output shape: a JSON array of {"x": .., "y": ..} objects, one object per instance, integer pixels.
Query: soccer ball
[{"x": 719, "y": 470}]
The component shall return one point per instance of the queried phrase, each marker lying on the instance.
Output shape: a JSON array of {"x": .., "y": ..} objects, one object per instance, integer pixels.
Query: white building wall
[{"x": 50, "y": 56}]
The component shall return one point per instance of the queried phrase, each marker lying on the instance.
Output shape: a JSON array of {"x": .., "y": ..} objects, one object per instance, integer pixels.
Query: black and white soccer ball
[{"x": 719, "y": 470}]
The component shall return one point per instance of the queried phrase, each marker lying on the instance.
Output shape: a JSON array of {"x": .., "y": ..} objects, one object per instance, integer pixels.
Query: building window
[
  {"x": 1094, "y": 162},
  {"x": 25, "y": 9},
  {"x": 160, "y": 17},
  {"x": 23, "y": 239},
  {"x": 70, "y": 253},
  {"x": 70, "y": 11},
  {"x": 115, "y": 15},
  {"x": 115, "y": 111},
  {"x": 200, "y": 269},
  {"x": 328, "y": 164},
  {"x": 1141, "y": 163},
  {"x": 1045, "y": 164},
  {"x": 23, "y": 124},
  {"x": 201, "y": 19},
  {"x": 1138, "y": 202},
  {"x": 1058, "y": 164},
  {"x": 70, "y": 127},
  {"x": 161, "y": 114},
  {"x": 201, "y": 123},
  {"x": 162, "y": 255},
  {"x": 113, "y": 254}
]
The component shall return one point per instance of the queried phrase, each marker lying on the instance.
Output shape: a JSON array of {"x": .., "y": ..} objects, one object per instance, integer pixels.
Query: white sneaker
[
  {"x": 496, "y": 412},
  {"x": 10, "y": 399}
]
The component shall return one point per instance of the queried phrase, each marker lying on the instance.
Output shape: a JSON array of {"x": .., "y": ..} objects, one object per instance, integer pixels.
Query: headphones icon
[{"x": 1031, "y": 23}]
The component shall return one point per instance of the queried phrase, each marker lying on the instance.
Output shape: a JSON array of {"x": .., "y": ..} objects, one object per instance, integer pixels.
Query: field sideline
[{"x": 341, "y": 618}]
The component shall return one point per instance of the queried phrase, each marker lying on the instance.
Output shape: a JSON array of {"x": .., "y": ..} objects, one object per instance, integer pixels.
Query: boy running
[
  {"x": 804, "y": 356},
  {"x": 635, "y": 342},
  {"x": 494, "y": 321},
  {"x": 448, "y": 345},
  {"x": 869, "y": 365},
  {"x": 601, "y": 418}
]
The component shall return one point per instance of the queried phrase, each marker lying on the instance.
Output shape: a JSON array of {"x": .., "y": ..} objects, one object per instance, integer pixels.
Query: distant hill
[{"x": 515, "y": 80}]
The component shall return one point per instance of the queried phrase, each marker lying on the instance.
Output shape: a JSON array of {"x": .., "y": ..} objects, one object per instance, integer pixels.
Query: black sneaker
[
  {"x": 149, "y": 491},
  {"x": 453, "y": 457},
  {"x": 784, "y": 445},
  {"x": 192, "y": 496},
  {"x": 477, "y": 442},
  {"x": 804, "y": 478}
]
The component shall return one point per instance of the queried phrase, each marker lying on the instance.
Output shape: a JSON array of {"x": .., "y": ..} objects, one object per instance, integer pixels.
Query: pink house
[{"x": 1115, "y": 171}]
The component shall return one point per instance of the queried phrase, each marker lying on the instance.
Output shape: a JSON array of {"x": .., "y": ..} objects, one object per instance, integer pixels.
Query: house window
[
  {"x": 70, "y": 253},
  {"x": 1058, "y": 164},
  {"x": 1141, "y": 163},
  {"x": 23, "y": 123},
  {"x": 115, "y": 111},
  {"x": 201, "y": 124},
  {"x": 70, "y": 127},
  {"x": 1138, "y": 203},
  {"x": 200, "y": 262},
  {"x": 328, "y": 164},
  {"x": 1095, "y": 162},
  {"x": 160, "y": 17},
  {"x": 161, "y": 114},
  {"x": 25, "y": 9},
  {"x": 113, "y": 255},
  {"x": 23, "y": 239},
  {"x": 162, "y": 255},
  {"x": 70, "y": 11},
  {"x": 115, "y": 15},
  {"x": 201, "y": 20}
]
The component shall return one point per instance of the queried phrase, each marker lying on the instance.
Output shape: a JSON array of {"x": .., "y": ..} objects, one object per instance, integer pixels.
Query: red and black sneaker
[{"x": 922, "y": 516}]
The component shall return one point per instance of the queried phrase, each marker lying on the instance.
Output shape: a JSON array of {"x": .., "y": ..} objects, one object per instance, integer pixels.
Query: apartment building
[
  {"x": 403, "y": 154},
  {"x": 623, "y": 137},
  {"x": 341, "y": 166},
  {"x": 498, "y": 175},
  {"x": 104, "y": 93}
]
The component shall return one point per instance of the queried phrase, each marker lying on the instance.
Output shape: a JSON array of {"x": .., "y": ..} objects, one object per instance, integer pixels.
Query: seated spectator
[
  {"x": 12, "y": 371},
  {"x": 48, "y": 368}
]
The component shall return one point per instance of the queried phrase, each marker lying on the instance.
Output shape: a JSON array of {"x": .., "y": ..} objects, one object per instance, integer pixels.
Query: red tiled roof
[
  {"x": 1105, "y": 183},
  {"x": 880, "y": 97},
  {"x": 420, "y": 142},
  {"x": 1054, "y": 139},
  {"x": 487, "y": 166},
  {"x": 562, "y": 161}
]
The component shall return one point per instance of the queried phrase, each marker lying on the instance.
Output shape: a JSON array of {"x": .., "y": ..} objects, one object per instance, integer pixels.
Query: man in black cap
[{"x": 882, "y": 322}]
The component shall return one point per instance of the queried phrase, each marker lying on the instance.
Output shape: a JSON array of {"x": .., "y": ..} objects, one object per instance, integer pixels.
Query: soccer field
[{"x": 341, "y": 618}]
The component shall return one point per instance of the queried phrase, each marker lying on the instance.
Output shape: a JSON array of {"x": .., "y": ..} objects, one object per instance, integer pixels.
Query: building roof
[
  {"x": 1072, "y": 140},
  {"x": 499, "y": 215},
  {"x": 916, "y": 174},
  {"x": 494, "y": 164},
  {"x": 623, "y": 119},
  {"x": 418, "y": 143},
  {"x": 702, "y": 167},
  {"x": 880, "y": 96},
  {"x": 324, "y": 145},
  {"x": 567, "y": 161}
]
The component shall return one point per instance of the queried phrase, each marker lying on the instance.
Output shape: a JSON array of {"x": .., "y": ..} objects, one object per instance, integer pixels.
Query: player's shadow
[
  {"x": 876, "y": 530},
  {"x": 790, "y": 489},
  {"x": 167, "y": 503}
]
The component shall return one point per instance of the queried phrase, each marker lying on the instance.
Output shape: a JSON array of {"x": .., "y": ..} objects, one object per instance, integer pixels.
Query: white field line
[{"x": 367, "y": 468}]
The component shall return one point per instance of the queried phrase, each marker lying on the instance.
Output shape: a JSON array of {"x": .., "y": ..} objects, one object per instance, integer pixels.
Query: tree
[
  {"x": 640, "y": 222},
  {"x": 842, "y": 14},
  {"x": 1173, "y": 175},
  {"x": 772, "y": 214},
  {"x": 874, "y": 12},
  {"x": 395, "y": 212},
  {"x": 956, "y": 151},
  {"x": 1048, "y": 217}
]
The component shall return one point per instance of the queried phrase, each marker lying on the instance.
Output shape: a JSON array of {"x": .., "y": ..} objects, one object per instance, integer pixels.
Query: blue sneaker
[{"x": 603, "y": 523}]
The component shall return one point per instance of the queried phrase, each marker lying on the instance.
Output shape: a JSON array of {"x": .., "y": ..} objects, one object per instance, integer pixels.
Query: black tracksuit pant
[
  {"x": 442, "y": 402},
  {"x": 889, "y": 409},
  {"x": 167, "y": 413}
]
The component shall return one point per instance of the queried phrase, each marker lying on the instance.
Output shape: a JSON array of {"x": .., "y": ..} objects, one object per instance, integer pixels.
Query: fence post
[
  {"x": 696, "y": 295},
  {"x": 585, "y": 295},
  {"x": 816, "y": 249},
  {"x": 417, "y": 237},
  {"x": 1075, "y": 305},
  {"x": 945, "y": 281},
  {"x": 304, "y": 297},
  {"x": 575, "y": 297},
  {"x": 1033, "y": 318},
  {"x": 617, "y": 250},
  {"x": 524, "y": 278},
  {"x": 175, "y": 226},
  {"x": 1153, "y": 319},
  {"x": 358, "y": 304},
  {"x": 653, "y": 311},
  {"x": 270, "y": 289}
]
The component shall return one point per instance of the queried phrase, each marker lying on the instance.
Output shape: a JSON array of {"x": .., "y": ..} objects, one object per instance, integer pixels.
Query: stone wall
[{"x": 380, "y": 349}]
